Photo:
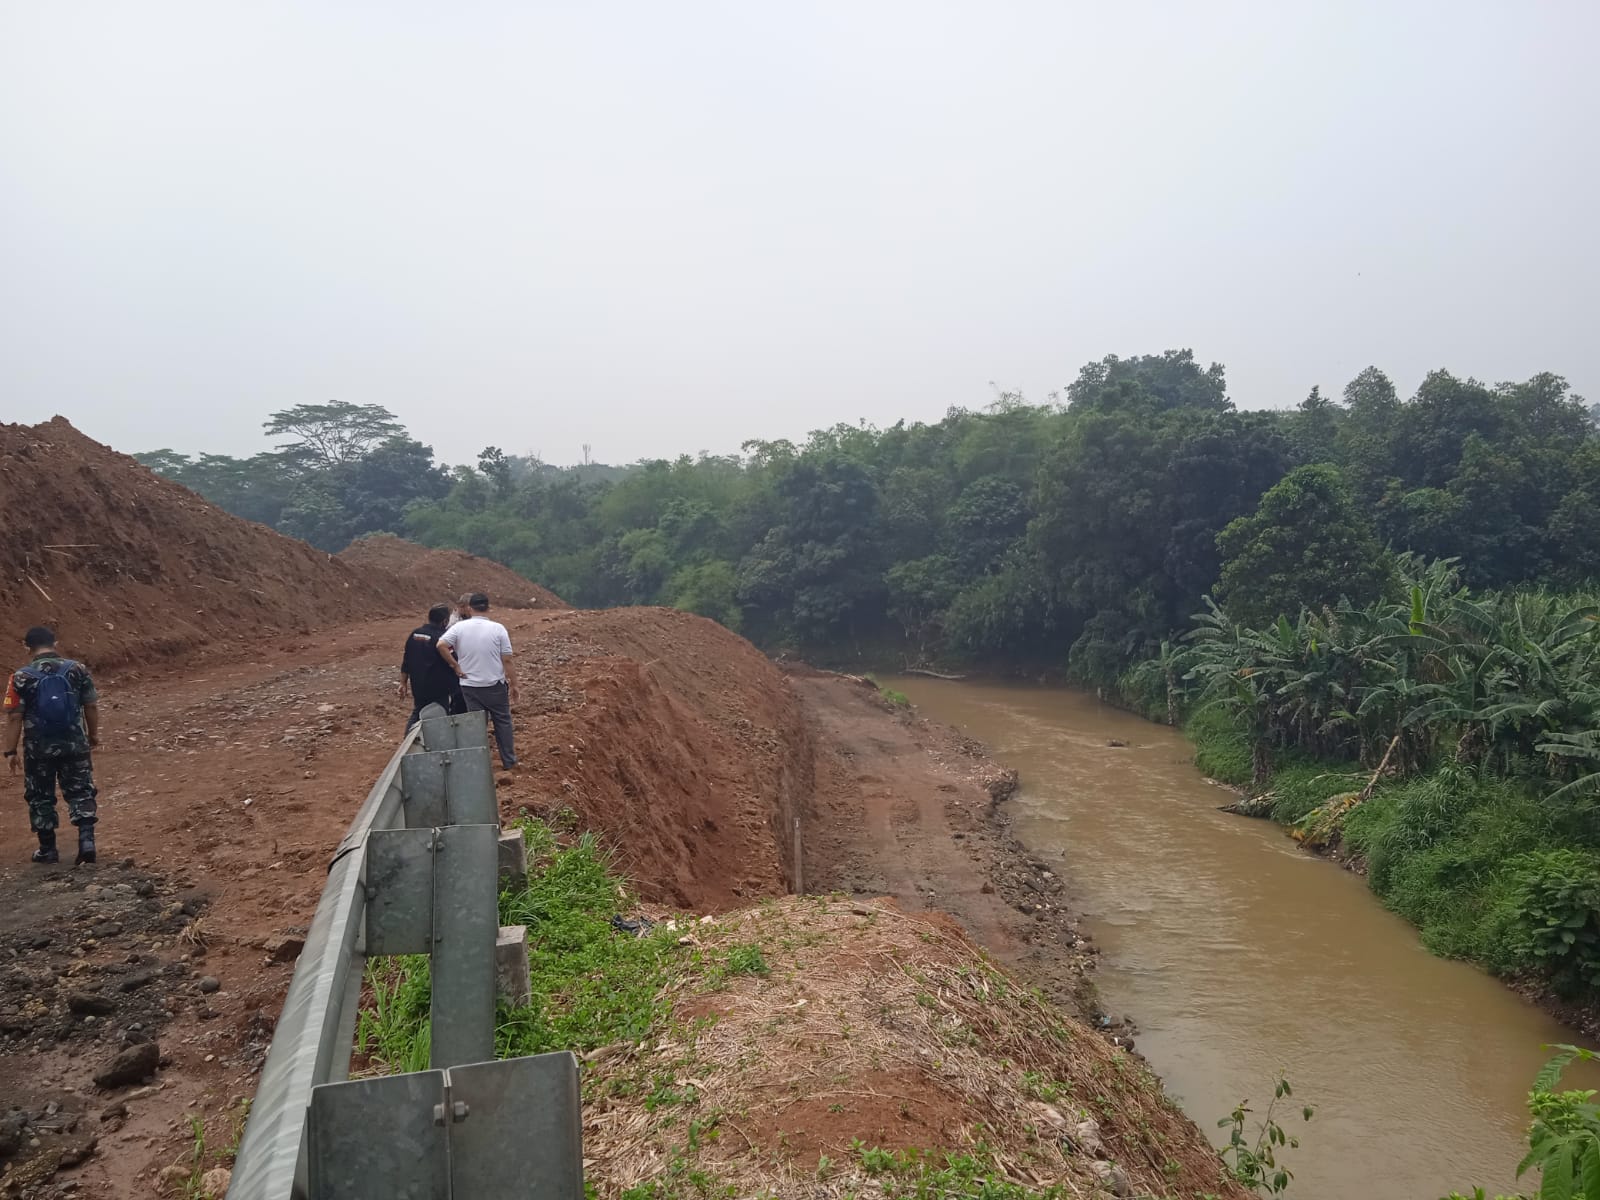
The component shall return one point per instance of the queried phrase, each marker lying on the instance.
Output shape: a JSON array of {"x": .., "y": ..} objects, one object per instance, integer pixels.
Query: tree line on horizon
[{"x": 1081, "y": 532}]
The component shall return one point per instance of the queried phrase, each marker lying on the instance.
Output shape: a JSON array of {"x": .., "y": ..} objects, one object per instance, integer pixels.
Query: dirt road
[{"x": 912, "y": 809}]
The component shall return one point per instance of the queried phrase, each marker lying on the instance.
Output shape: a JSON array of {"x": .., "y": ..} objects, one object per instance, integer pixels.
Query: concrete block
[
  {"x": 511, "y": 965},
  {"x": 513, "y": 860}
]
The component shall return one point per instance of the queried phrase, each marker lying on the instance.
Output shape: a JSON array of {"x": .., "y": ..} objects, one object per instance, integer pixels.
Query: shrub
[
  {"x": 1302, "y": 787},
  {"x": 1439, "y": 851},
  {"x": 1555, "y": 915}
]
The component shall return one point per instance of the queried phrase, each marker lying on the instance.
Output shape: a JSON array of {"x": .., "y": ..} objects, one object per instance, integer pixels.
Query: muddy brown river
[{"x": 1239, "y": 956}]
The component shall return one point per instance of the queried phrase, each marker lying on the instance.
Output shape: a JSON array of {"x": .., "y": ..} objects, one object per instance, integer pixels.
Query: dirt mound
[
  {"x": 446, "y": 574},
  {"x": 858, "y": 1050},
  {"x": 676, "y": 739},
  {"x": 130, "y": 568},
  {"x": 127, "y": 566}
]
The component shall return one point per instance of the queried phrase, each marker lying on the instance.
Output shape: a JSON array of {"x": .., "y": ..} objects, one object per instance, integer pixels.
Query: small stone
[
  {"x": 135, "y": 1063},
  {"x": 209, "y": 984},
  {"x": 11, "y": 1130},
  {"x": 39, "y": 941},
  {"x": 173, "y": 1180},
  {"x": 214, "y": 1183},
  {"x": 144, "y": 888},
  {"x": 987, "y": 889},
  {"x": 136, "y": 980},
  {"x": 1086, "y": 1137},
  {"x": 1113, "y": 1176},
  {"x": 284, "y": 948},
  {"x": 114, "y": 1112},
  {"x": 92, "y": 1004},
  {"x": 78, "y": 1152}
]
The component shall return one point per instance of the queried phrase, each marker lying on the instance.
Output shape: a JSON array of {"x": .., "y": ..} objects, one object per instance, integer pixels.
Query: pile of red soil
[
  {"x": 674, "y": 738},
  {"x": 130, "y": 568},
  {"x": 446, "y": 574}
]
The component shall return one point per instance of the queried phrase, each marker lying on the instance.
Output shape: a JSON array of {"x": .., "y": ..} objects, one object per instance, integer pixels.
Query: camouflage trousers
[{"x": 40, "y": 775}]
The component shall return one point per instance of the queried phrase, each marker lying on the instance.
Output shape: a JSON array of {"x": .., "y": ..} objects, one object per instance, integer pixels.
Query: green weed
[
  {"x": 592, "y": 985},
  {"x": 747, "y": 959},
  {"x": 943, "y": 1175}
]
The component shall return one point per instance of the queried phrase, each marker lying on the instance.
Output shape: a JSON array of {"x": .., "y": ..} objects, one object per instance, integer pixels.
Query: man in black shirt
[{"x": 429, "y": 677}]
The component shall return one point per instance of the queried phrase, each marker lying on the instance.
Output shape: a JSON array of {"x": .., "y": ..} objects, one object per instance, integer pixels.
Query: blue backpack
[{"x": 53, "y": 710}]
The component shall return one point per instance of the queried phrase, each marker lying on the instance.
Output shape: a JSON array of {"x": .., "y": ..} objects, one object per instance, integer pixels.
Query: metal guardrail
[{"x": 417, "y": 873}]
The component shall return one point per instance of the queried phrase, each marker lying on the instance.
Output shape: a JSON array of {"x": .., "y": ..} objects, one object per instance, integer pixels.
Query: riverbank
[
  {"x": 1440, "y": 849},
  {"x": 915, "y": 810}
]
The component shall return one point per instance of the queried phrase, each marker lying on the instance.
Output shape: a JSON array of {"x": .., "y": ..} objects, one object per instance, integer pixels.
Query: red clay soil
[
  {"x": 130, "y": 568},
  {"x": 445, "y": 574},
  {"x": 675, "y": 738}
]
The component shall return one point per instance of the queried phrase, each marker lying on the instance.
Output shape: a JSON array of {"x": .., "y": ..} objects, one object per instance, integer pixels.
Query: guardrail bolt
[{"x": 460, "y": 1110}]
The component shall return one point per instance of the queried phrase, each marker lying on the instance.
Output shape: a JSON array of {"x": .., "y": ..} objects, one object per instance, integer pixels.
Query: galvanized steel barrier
[{"x": 418, "y": 873}]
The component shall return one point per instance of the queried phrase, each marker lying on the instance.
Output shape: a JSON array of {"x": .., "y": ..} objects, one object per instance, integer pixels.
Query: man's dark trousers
[{"x": 496, "y": 701}]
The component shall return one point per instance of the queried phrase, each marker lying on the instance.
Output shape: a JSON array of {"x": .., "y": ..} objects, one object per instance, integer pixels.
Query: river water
[{"x": 1239, "y": 955}]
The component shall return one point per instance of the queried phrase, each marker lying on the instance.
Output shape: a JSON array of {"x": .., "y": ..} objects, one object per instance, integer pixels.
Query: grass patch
[
  {"x": 592, "y": 985},
  {"x": 1221, "y": 750},
  {"x": 747, "y": 959},
  {"x": 898, "y": 699},
  {"x": 944, "y": 1175}
]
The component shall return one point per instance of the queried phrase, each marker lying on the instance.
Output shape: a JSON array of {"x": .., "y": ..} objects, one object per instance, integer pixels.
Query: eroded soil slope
[
  {"x": 130, "y": 568},
  {"x": 444, "y": 574}
]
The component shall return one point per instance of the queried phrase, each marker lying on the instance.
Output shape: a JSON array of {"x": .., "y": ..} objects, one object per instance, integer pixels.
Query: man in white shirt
[{"x": 479, "y": 652}]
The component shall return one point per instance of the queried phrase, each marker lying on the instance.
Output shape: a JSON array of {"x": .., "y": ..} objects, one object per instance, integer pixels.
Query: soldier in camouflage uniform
[{"x": 52, "y": 709}]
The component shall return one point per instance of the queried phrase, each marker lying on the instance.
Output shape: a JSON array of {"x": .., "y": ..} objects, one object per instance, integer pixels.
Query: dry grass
[{"x": 872, "y": 1029}]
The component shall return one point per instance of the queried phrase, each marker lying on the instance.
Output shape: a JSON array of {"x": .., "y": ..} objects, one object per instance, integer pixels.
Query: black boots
[{"x": 47, "y": 852}]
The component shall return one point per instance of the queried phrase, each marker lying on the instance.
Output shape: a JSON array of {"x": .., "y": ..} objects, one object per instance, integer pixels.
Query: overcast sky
[{"x": 666, "y": 227}]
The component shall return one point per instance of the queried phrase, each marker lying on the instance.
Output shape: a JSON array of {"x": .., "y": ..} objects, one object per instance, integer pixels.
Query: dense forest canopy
[{"x": 1079, "y": 532}]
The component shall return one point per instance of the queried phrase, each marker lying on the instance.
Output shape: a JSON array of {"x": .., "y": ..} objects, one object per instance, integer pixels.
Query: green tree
[
  {"x": 919, "y": 593},
  {"x": 710, "y": 589},
  {"x": 496, "y": 467},
  {"x": 332, "y": 434},
  {"x": 1315, "y": 429},
  {"x": 1306, "y": 545}
]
